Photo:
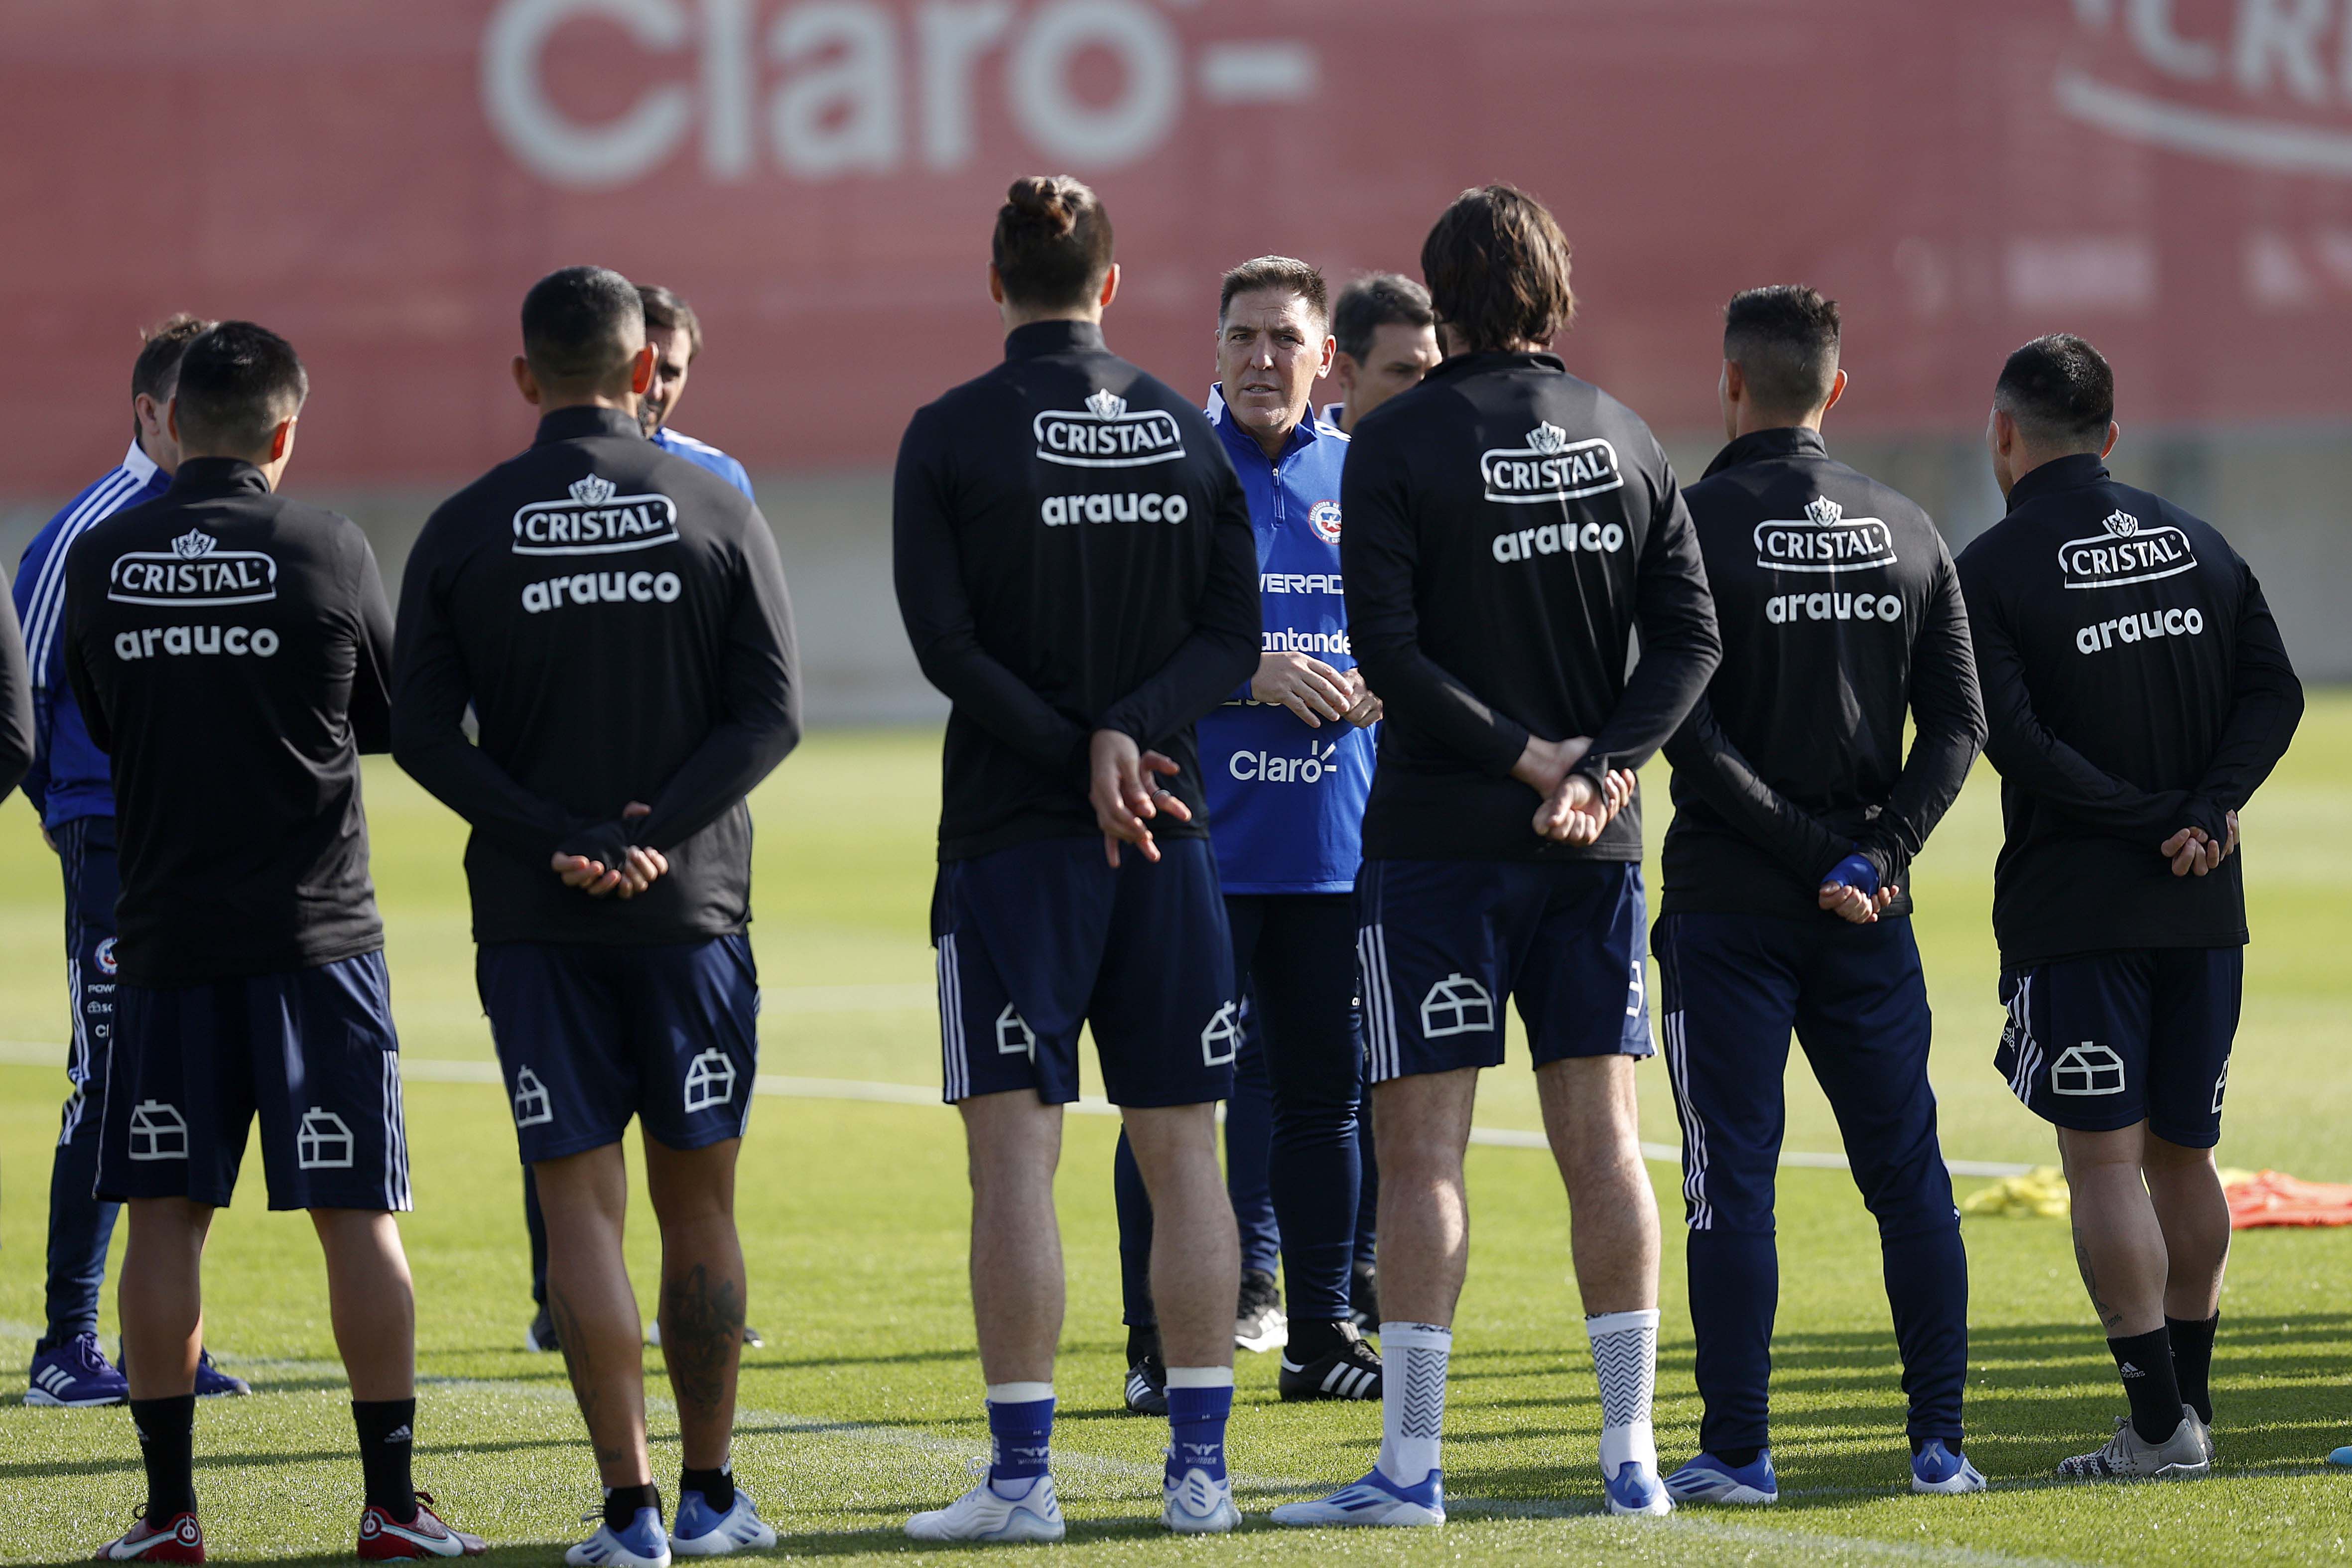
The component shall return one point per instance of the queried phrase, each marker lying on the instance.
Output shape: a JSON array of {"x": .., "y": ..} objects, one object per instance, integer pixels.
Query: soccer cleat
[
  {"x": 1936, "y": 1469},
  {"x": 2205, "y": 1436},
  {"x": 1635, "y": 1491},
  {"x": 1374, "y": 1501},
  {"x": 74, "y": 1376},
  {"x": 2342, "y": 1456},
  {"x": 644, "y": 1544},
  {"x": 1147, "y": 1387},
  {"x": 181, "y": 1540},
  {"x": 212, "y": 1383},
  {"x": 540, "y": 1335},
  {"x": 701, "y": 1530},
  {"x": 2127, "y": 1458},
  {"x": 1196, "y": 1504},
  {"x": 983, "y": 1513},
  {"x": 1710, "y": 1479},
  {"x": 383, "y": 1538},
  {"x": 1351, "y": 1371},
  {"x": 1258, "y": 1322}
]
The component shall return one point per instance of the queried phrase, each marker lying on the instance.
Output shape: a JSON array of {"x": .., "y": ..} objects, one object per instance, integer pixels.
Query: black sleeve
[
  {"x": 928, "y": 568},
  {"x": 760, "y": 703},
  {"x": 1222, "y": 647},
  {"x": 78, "y": 676},
  {"x": 1704, "y": 755},
  {"x": 15, "y": 702},
  {"x": 1378, "y": 553},
  {"x": 430, "y": 692},
  {"x": 1681, "y": 644},
  {"x": 370, "y": 711},
  {"x": 1949, "y": 729},
  {"x": 2266, "y": 705}
]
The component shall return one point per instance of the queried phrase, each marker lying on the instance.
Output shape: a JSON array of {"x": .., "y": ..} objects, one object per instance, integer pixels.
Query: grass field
[{"x": 865, "y": 1404}]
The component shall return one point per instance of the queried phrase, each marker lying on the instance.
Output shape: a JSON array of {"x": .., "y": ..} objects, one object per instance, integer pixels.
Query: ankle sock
[
  {"x": 2192, "y": 1361},
  {"x": 1413, "y": 1400},
  {"x": 1625, "y": 1360},
  {"x": 717, "y": 1487},
  {"x": 387, "y": 1438},
  {"x": 167, "y": 1440},
  {"x": 1020, "y": 1430},
  {"x": 622, "y": 1503},
  {"x": 2145, "y": 1363},
  {"x": 1200, "y": 1401}
]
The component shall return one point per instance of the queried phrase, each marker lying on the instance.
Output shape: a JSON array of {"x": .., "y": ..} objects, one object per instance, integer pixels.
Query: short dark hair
[
  {"x": 237, "y": 383},
  {"x": 667, "y": 312},
  {"x": 1283, "y": 274},
  {"x": 1496, "y": 265},
  {"x": 156, "y": 371},
  {"x": 580, "y": 326},
  {"x": 2059, "y": 389},
  {"x": 1375, "y": 300},
  {"x": 1784, "y": 338},
  {"x": 1053, "y": 243}
]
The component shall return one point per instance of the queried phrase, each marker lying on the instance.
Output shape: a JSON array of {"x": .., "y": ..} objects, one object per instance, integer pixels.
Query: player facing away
[
  {"x": 70, "y": 787},
  {"x": 1387, "y": 341},
  {"x": 229, "y": 650},
  {"x": 1077, "y": 572},
  {"x": 1508, "y": 529},
  {"x": 610, "y": 865},
  {"x": 1797, "y": 814},
  {"x": 2136, "y": 693}
]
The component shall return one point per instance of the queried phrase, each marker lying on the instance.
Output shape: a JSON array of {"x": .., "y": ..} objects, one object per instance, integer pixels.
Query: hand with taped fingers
[
  {"x": 1123, "y": 785},
  {"x": 1305, "y": 685}
]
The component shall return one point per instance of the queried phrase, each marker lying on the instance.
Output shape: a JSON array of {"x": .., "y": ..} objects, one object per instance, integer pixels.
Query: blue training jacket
[
  {"x": 70, "y": 777},
  {"x": 708, "y": 456},
  {"x": 1286, "y": 803}
]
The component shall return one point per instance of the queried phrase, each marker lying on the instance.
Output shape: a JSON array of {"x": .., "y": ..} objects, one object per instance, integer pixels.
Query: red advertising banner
[{"x": 381, "y": 179}]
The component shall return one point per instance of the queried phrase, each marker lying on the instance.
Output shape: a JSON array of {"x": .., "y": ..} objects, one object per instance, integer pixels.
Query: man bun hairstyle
[
  {"x": 1784, "y": 339},
  {"x": 1496, "y": 265},
  {"x": 580, "y": 328},
  {"x": 238, "y": 383},
  {"x": 1053, "y": 243},
  {"x": 1375, "y": 300},
  {"x": 667, "y": 312},
  {"x": 156, "y": 371},
  {"x": 2060, "y": 390},
  {"x": 1282, "y": 274}
]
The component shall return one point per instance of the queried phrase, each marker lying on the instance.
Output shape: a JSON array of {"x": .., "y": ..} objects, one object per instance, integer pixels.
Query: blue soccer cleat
[
  {"x": 1374, "y": 1501},
  {"x": 644, "y": 1544},
  {"x": 75, "y": 1376},
  {"x": 1936, "y": 1469},
  {"x": 2342, "y": 1456},
  {"x": 1710, "y": 1479},
  {"x": 212, "y": 1383},
  {"x": 701, "y": 1530},
  {"x": 1635, "y": 1492}
]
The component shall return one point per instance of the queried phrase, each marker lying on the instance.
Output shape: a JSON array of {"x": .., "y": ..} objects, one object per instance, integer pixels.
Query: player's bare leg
[
  {"x": 586, "y": 1198},
  {"x": 703, "y": 1292},
  {"x": 160, "y": 1295},
  {"x": 2194, "y": 1213},
  {"x": 371, "y": 1300},
  {"x": 1196, "y": 1272}
]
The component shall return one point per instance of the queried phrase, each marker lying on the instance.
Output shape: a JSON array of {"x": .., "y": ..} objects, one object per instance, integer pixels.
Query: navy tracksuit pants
[{"x": 81, "y": 1224}]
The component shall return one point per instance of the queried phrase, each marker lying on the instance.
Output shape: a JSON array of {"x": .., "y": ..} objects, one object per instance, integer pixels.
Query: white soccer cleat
[
  {"x": 1194, "y": 1504},
  {"x": 2182, "y": 1456},
  {"x": 1375, "y": 1501},
  {"x": 984, "y": 1514},
  {"x": 644, "y": 1544},
  {"x": 1635, "y": 1492},
  {"x": 1939, "y": 1470},
  {"x": 699, "y": 1531}
]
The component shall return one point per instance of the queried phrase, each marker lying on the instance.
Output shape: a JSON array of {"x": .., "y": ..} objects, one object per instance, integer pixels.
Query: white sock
[
  {"x": 1412, "y": 1401},
  {"x": 1625, "y": 1360},
  {"x": 1019, "y": 1393}
]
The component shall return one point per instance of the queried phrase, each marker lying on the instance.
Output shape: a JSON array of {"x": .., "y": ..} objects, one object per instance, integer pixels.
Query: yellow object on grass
[{"x": 2040, "y": 1194}]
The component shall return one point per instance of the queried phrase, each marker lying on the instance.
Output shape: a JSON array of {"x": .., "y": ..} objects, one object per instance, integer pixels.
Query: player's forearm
[
  {"x": 2264, "y": 714},
  {"x": 1415, "y": 689},
  {"x": 727, "y": 766},
  {"x": 1196, "y": 679},
  {"x": 455, "y": 772},
  {"x": 1004, "y": 705},
  {"x": 1658, "y": 695},
  {"x": 1724, "y": 779}
]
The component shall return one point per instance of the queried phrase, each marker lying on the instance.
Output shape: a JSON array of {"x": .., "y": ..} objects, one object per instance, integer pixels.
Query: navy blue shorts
[
  {"x": 310, "y": 1052},
  {"x": 591, "y": 1035},
  {"x": 2098, "y": 1043},
  {"x": 1442, "y": 944},
  {"x": 1039, "y": 939},
  {"x": 86, "y": 851}
]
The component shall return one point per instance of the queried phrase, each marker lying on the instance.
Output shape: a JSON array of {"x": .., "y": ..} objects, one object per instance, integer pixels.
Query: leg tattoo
[{"x": 702, "y": 1333}]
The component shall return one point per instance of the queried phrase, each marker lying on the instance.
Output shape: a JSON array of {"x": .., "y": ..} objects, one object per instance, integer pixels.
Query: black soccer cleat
[
  {"x": 1351, "y": 1372},
  {"x": 1147, "y": 1387},
  {"x": 540, "y": 1335}
]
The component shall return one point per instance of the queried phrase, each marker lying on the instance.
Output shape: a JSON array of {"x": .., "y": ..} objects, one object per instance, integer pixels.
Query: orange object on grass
[{"x": 2273, "y": 1197}]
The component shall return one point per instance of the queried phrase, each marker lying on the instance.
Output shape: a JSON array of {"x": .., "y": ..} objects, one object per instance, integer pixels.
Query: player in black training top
[
  {"x": 616, "y": 616},
  {"x": 1796, "y": 817},
  {"x": 1077, "y": 572},
  {"x": 2137, "y": 694},
  {"x": 15, "y": 704},
  {"x": 230, "y": 649},
  {"x": 1509, "y": 527}
]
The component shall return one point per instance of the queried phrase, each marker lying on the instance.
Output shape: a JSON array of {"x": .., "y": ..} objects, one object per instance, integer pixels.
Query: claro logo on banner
[{"x": 862, "y": 87}]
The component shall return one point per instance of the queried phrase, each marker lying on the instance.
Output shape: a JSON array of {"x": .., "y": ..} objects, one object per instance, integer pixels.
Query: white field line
[{"x": 19, "y": 1053}]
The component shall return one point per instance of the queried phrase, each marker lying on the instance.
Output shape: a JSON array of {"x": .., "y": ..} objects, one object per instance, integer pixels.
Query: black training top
[
  {"x": 616, "y": 617},
  {"x": 2135, "y": 685},
  {"x": 230, "y": 649},
  {"x": 1073, "y": 554},
  {"x": 15, "y": 704},
  {"x": 1839, "y": 611},
  {"x": 1508, "y": 529}
]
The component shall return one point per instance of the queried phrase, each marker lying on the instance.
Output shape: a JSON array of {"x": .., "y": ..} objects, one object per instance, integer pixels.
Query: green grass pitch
[{"x": 865, "y": 1405}]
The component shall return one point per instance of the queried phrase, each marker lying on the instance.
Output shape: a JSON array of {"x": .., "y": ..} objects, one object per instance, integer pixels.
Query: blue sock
[
  {"x": 1020, "y": 1430},
  {"x": 1196, "y": 1423}
]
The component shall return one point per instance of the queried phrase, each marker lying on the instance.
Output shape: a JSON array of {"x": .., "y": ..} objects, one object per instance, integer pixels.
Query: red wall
[{"x": 2171, "y": 178}]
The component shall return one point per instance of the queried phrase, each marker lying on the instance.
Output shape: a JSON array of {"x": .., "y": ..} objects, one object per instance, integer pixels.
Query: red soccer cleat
[
  {"x": 381, "y": 1537},
  {"x": 182, "y": 1540}
]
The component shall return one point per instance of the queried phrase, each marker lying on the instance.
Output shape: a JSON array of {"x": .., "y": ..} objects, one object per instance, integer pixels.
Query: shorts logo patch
[
  {"x": 325, "y": 1142},
  {"x": 1222, "y": 1035},
  {"x": 2087, "y": 1069},
  {"x": 709, "y": 1080},
  {"x": 532, "y": 1105},
  {"x": 158, "y": 1131},
  {"x": 1456, "y": 1004},
  {"x": 2221, "y": 1086},
  {"x": 105, "y": 956},
  {"x": 1637, "y": 990},
  {"x": 1014, "y": 1037}
]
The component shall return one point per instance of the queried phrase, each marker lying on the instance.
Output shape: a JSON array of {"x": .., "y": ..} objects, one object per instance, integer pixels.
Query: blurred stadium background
[{"x": 2173, "y": 178}]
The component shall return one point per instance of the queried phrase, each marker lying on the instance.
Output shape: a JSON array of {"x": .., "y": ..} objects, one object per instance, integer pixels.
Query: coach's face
[
  {"x": 673, "y": 358},
  {"x": 1271, "y": 346}
]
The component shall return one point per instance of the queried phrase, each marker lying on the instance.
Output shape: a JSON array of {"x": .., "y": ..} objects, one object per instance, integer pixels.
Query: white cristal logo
[
  {"x": 192, "y": 543},
  {"x": 1106, "y": 405},
  {"x": 1824, "y": 511},
  {"x": 1547, "y": 439},
  {"x": 2122, "y": 524},
  {"x": 591, "y": 490}
]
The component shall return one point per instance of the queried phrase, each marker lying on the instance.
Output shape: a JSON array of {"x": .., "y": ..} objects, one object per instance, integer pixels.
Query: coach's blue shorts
[
  {"x": 2098, "y": 1043},
  {"x": 1039, "y": 939},
  {"x": 1442, "y": 944},
  {"x": 590, "y": 1035},
  {"x": 311, "y": 1052}
]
